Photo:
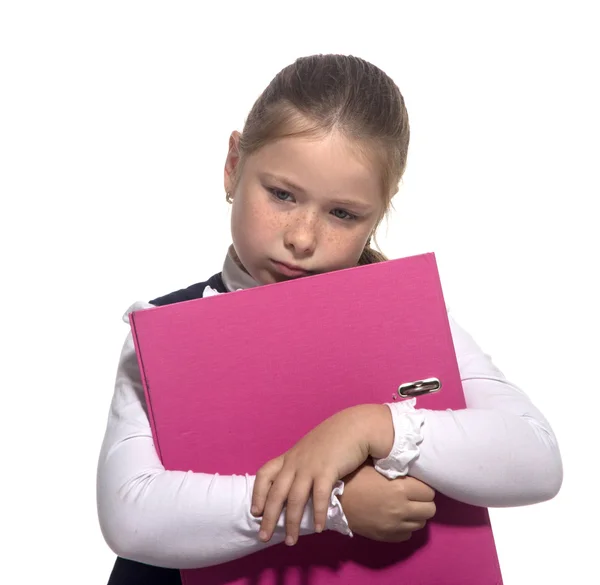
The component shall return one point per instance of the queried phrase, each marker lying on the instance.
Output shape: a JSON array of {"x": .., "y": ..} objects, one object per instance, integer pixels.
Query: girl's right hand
[
  {"x": 386, "y": 510},
  {"x": 332, "y": 450}
]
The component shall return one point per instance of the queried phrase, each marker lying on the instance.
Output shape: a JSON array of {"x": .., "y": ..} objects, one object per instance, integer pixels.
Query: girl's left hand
[{"x": 329, "y": 452}]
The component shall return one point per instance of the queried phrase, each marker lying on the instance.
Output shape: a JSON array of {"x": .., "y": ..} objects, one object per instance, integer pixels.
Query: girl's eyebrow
[
  {"x": 353, "y": 203},
  {"x": 285, "y": 182},
  {"x": 362, "y": 205}
]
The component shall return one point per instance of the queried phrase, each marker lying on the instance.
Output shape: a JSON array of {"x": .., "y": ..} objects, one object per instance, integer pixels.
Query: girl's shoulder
[
  {"x": 195, "y": 291},
  {"x": 214, "y": 285}
]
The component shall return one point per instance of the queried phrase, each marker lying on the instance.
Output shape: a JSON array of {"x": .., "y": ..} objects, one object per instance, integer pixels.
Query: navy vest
[{"x": 126, "y": 572}]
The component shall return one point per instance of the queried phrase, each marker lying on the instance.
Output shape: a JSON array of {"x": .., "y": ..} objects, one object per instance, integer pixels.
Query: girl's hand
[
  {"x": 329, "y": 452},
  {"x": 386, "y": 510}
]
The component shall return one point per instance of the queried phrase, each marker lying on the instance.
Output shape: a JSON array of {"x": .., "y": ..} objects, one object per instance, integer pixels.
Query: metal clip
[{"x": 420, "y": 387}]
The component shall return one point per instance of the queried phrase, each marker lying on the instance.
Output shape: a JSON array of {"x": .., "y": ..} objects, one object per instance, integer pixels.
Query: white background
[{"x": 114, "y": 122}]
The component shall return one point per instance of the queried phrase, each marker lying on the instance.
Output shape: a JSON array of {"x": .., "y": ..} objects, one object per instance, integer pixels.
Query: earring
[{"x": 228, "y": 197}]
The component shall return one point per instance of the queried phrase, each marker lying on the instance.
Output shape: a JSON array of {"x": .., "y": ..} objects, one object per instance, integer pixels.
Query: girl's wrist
[{"x": 379, "y": 429}]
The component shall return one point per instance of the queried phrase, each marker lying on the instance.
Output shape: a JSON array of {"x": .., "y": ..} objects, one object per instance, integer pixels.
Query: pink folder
[{"x": 236, "y": 379}]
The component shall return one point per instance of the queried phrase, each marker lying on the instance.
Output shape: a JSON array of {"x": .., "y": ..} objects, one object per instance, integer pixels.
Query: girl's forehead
[{"x": 331, "y": 163}]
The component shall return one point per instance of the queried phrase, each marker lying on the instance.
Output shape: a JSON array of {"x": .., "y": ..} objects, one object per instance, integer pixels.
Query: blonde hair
[{"x": 320, "y": 94}]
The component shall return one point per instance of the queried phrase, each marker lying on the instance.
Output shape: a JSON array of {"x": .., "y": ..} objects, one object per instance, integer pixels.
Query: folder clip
[{"x": 420, "y": 387}]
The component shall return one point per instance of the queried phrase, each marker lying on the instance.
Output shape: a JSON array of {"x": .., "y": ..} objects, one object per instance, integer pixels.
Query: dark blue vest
[{"x": 126, "y": 572}]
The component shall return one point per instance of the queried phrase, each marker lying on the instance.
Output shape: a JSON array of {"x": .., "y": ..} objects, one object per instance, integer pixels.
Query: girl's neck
[{"x": 235, "y": 276}]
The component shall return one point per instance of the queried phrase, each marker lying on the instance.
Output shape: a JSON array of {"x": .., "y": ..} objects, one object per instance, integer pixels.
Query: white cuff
[
  {"x": 407, "y": 436},
  {"x": 336, "y": 519}
]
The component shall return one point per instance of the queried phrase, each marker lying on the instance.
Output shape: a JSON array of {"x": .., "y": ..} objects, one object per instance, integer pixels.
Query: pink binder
[{"x": 290, "y": 355}]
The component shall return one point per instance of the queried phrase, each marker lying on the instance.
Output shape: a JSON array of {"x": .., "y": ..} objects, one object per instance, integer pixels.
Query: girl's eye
[
  {"x": 342, "y": 214},
  {"x": 280, "y": 195}
]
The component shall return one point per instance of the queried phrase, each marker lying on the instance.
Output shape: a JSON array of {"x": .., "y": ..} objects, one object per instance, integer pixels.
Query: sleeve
[
  {"x": 498, "y": 452},
  {"x": 174, "y": 519}
]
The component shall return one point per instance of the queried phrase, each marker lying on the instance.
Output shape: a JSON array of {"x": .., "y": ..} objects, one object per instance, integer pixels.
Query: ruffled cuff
[
  {"x": 407, "y": 437},
  {"x": 336, "y": 519}
]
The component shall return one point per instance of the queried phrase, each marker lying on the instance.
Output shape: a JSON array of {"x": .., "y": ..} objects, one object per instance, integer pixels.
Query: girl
[{"x": 309, "y": 179}]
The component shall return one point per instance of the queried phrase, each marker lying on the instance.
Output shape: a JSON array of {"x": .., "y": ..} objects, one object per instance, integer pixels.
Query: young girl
[{"x": 309, "y": 179}]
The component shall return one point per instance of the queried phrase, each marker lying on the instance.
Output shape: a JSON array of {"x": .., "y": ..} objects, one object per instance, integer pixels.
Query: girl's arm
[
  {"x": 173, "y": 519},
  {"x": 499, "y": 451}
]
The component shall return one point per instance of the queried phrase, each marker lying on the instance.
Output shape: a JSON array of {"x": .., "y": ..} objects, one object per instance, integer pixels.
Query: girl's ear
[{"x": 232, "y": 161}]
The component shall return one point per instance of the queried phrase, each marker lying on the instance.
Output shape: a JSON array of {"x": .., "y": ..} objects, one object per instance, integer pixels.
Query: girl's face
[{"x": 301, "y": 206}]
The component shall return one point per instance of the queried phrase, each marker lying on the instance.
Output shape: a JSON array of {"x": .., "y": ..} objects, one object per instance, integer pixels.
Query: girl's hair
[{"x": 320, "y": 94}]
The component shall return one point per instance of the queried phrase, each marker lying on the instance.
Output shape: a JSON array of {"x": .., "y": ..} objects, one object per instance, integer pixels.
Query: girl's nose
[{"x": 300, "y": 237}]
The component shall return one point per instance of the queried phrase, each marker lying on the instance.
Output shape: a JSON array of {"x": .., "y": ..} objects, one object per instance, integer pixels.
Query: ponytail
[{"x": 370, "y": 256}]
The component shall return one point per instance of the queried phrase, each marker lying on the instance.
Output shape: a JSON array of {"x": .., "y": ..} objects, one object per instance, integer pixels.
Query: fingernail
[
  {"x": 289, "y": 540},
  {"x": 318, "y": 528},
  {"x": 254, "y": 510},
  {"x": 262, "y": 535}
]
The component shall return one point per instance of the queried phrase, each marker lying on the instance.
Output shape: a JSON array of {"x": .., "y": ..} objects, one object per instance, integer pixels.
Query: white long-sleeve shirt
[{"x": 499, "y": 451}]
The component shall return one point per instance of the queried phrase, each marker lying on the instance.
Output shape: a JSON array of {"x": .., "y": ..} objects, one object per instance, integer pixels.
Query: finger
[
  {"x": 397, "y": 536},
  {"x": 294, "y": 511},
  {"x": 321, "y": 498},
  {"x": 401, "y": 536},
  {"x": 274, "y": 504},
  {"x": 420, "y": 512},
  {"x": 417, "y": 491},
  {"x": 265, "y": 477}
]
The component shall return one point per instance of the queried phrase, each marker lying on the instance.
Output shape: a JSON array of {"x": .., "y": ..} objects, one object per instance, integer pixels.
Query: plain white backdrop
[{"x": 114, "y": 123}]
